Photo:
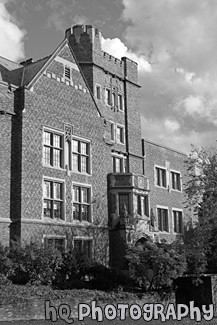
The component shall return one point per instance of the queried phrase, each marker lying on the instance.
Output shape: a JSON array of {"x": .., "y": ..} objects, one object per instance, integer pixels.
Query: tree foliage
[
  {"x": 155, "y": 266},
  {"x": 201, "y": 190}
]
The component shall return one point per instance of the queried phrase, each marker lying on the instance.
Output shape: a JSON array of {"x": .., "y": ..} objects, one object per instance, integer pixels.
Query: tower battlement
[{"x": 86, "y": 42}]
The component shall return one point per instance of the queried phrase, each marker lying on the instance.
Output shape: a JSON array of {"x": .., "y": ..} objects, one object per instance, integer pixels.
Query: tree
[
  {"x": 201, "y": 190},
  {"x": 155, "y": 266}
]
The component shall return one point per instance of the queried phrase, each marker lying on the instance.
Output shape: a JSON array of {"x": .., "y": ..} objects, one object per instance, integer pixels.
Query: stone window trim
[
  {"x": 123, "y": 163},
  {"x": 81, "y": 203},
  {"x": 176, "y": 226},
  {"x": 120, "y": 139},
  {"x": 175, "y": 185},
  {"x": 54, "y": 237},
  {"x": 53, "y": 180},
  {"x": 98, "y": 91},
  {"x": 87, "y": 156},
  {"x": 164, "y": 225},
  {"x": 160, "y": 176},
  {"x": 51, "y": 148},
  {"x": 82, "y": 240}
]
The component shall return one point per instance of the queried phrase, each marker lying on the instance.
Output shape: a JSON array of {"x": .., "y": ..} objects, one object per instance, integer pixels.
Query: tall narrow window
[
  {"x": 120, "y": 134},
  {"x": 53, "y": 199},
  {"x": 98, "y": 92},
  {"x": 119, "y": 164},
  {"x": 161, "y": 177},
  {"x": 142, "y": 205},
  {"x": 176, "y": 181},
  {"x": 163, "y": 222},
  {"x": 123, "y": 202},
  {"x": 81, "y": 203},
  {"x": 108, "y": 100},
  {"x": 53, "y": 149},
  {"x": 80, "y": 156},
  {"x": 120, "y": 102},
  {"x": 177, "y": 220},
  {"x": 112, "y": 131}
]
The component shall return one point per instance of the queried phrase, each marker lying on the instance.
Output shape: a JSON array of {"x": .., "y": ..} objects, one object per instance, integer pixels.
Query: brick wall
[{"x": 171, "y": 160}]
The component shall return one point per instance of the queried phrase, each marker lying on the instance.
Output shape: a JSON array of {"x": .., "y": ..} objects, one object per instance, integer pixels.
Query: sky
[{"x": 173, "y": 41}]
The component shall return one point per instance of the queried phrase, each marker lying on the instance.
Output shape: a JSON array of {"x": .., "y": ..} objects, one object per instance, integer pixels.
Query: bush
[
  {"x": 156, "y": 265},
  {"x": 72, "y": 271},
  {"x": 34, "y": 264},
  {"x": 5, "y": 263}
]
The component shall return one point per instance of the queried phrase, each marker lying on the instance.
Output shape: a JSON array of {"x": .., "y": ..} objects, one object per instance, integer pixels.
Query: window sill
[
  {"x": 80, "y": 173},
  {"x": 53, "y": 167},
  {"x": 162, "y": 187},
  {"x": 174, "y": 190}
]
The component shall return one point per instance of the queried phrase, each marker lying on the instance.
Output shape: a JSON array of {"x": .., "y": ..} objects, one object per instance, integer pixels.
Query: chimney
[{"x": 27, "y": 62}]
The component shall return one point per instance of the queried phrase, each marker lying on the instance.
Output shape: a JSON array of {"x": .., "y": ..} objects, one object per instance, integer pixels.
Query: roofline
[
  {"x": 165, "y": 147},
  {"x": 52, "y": 56},
  {"x": 41, "y": 71},
  {"x": 3, "y": 57}
]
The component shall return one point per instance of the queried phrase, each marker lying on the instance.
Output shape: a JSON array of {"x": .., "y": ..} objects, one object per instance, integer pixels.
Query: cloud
[
  {"x": 117, "y": 48},
  {"x": 11, "y": 36},
  {"x": 178, "y": 39}
]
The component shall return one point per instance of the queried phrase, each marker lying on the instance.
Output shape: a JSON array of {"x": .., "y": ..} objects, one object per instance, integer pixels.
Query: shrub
[
  {"x": 34, "y": 264},
  {"x": 5, "y": 263},
  {"x": 72, "y": 271},
  {"x": 156, "y": 265}
]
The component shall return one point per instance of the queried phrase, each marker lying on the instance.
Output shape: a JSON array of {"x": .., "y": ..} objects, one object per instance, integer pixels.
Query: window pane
[
  {"x": 57, "y": 209},
  {"x": 47, "y": 189},
  {"x": 75, "y": 146},
  {"x": 123, "y": 202},
  {"x": 84, "y": 212},
  {"x": 76, "y": 211},
  {"x": 112, "y": 132},
  {"x": 47, "y": 138},
  {"x": 83, "y": 164},
  {"x": 120, "y": 103},
  {"x": 47, "y": 209},
  {"x": 59, "y": 244},
  {"x": 75, "y": 162},
  {"x": 84, "y": 195},
  {"x": 76, "y": 196},
  {"x": 84, "y": 148},
  {"x": 47, "y": 155},
  {"x": 56, "y": 141},
  {"x": 118, "y": 165},
  {"x": 56, "y": 157},
  {"x": 78, "y": 246},
  {"x": 57, "y": 191},
  {"x": 87, "y": 248}
]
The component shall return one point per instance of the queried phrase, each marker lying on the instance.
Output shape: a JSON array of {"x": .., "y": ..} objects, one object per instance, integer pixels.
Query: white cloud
[
  {"x": 178, "y": 38},
  {"x": 117, "y": 48},
  {"x": 11, "y": 36},
  {"x": 171, "y": 125}
]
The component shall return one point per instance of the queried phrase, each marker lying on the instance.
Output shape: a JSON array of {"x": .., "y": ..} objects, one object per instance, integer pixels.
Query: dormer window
[{"x": 67, "y": 73}]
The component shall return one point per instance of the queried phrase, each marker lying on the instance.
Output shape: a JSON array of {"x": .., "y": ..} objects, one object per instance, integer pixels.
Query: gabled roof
[
  {"x": 18, "y": 75},
  {"x": 28, "y": 74}
]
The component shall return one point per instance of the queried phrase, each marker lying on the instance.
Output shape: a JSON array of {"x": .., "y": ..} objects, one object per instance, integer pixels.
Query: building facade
[{"x": 73, "y": 170}]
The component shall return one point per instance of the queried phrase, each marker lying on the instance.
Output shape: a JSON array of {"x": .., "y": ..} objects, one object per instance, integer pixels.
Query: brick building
[
  {"x": 72, "y": 168},
  {"x": 165, "y": 169}
]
